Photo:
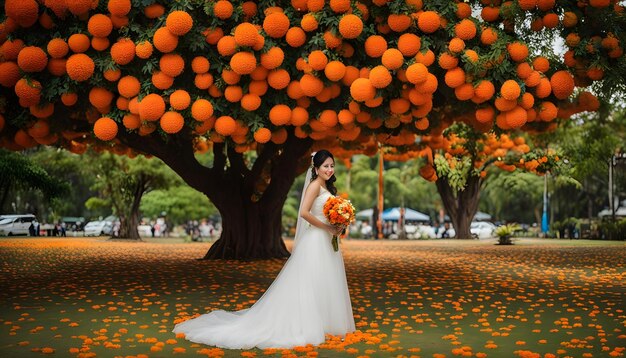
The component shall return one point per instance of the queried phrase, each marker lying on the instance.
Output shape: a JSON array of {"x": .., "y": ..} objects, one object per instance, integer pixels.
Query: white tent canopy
[
  {"x": 393, "y": 214},
  {"x": 620, "y": 212},
  {"x": 480, "y": 216},
  {"x": 365, "y": 215}
]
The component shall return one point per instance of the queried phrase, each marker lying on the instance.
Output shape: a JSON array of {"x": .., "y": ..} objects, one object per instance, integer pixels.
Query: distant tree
[
  {"x": 19, "y": 174},
  {"x": 462, "y": 158},
  {"x": 402, "y": 185},
  {"x": 70, "y": 168},
  {"x": 363, "y": 182},
  {"x": 513, "y": 197},
  {"x": 180, "y": 203},
  {"x": 589, "y": 143},
  {"x": 121, "y": 183}
]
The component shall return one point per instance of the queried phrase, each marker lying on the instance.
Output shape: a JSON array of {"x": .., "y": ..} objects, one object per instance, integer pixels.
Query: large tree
[
  {"x": 171, "y": 78},
  {"x": 179, "y": 203},
  {"x": 514, "y": 196},
  {"x": 462, "y": 159}
]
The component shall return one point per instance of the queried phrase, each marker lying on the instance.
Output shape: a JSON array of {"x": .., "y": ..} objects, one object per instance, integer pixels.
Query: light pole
[
  {"x": 379, "y": 219},
  {"x": 545, "y": 227},
  {"x": 612, "y": 162},
  {"x": 611, "y": 202}
]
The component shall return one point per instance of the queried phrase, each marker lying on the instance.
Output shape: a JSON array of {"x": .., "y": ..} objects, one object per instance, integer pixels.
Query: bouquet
[{"x": 339, "y": 212}]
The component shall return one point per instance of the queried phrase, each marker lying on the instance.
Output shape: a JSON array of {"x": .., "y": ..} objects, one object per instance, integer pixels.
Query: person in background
[
  {"x": 116, "y": 228},
  {"x": 445, "y": 234},
  {"x": 165, "y": 230},
  {"x": 366, "y": 230},
  {"x": 211, "y": 229},
  {"x": 375, "y": 222}
]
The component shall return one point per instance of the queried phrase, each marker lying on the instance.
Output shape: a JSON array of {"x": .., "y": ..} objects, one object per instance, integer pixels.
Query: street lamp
[
  {"x": 545, "y": 226},
  {"x": 379, "y": 219},
  {"x": 619, "y": 155}
]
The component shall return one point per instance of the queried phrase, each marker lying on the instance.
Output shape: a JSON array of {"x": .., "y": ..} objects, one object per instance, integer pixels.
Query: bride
[{"x": 308, "y": 299}]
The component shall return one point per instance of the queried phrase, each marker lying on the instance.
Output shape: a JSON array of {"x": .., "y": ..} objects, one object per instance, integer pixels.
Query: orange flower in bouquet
[{"x": 339, "y": 212}]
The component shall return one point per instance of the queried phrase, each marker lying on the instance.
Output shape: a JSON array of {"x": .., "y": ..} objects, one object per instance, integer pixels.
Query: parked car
[
  {"x": 15, "y": 224},
  {"x": 98, "y": 228},
  {"x": 482, "y": 229}
]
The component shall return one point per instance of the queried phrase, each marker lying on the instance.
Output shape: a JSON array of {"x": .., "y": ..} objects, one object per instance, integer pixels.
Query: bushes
[
  {"x": 575, "y": 228},
  {"x": 612, "y": 230},
  {"x": 505, "y": 233},
  {"x": 568, "y": 228}
]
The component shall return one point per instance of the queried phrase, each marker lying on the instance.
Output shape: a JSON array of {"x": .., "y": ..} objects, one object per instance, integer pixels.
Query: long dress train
[{"x": 308, "y": 299}]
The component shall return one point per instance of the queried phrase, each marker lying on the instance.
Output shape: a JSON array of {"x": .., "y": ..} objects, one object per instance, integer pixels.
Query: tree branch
[
  {"x": 138, "y": 193},
  {"x": 487, "y": 163},
  {"x": 285, "y": 168},
  {"x": 178, "y": 154},
  {"x": 4, "y": 190},
  {"x": 236, "y": 161},
  {"x": 219, "y": 159},
  {"x": 267, "y": 152}
]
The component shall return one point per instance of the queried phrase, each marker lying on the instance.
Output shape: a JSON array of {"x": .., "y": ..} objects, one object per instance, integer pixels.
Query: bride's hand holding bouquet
[{"x": 340, "y": 213}]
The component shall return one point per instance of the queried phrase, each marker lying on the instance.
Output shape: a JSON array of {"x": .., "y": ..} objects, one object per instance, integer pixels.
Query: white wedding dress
[{"x": 308, "y": 299}]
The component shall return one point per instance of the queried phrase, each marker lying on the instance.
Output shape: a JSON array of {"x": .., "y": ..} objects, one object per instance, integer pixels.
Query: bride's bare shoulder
[{"x": 313, "y": 188}]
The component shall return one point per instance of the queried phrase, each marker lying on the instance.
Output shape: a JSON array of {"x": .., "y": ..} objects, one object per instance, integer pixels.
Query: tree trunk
[
  {"x": 461, "y": 206},
  {"x": 251, "y": 208},
  {"x": 128, "y": 226},
  {"x": 587, "y": 191},
  {"x": 538, "y": 212},
  {"x": 128, "y": 216},
  {"x": 4, "y": 194},
  {"x": 250, "y": 200},
  {"x": 249, "y": 231}
]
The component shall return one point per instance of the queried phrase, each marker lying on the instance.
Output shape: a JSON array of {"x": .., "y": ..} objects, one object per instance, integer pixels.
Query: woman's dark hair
[{"x": 318, "y": 159}]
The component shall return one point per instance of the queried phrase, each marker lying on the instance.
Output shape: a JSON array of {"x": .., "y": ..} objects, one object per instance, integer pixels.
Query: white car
[
  {"x": 15, "y": 224},
  {"x": 482, "y": 229},
  {"x": 98, "y": 228}
]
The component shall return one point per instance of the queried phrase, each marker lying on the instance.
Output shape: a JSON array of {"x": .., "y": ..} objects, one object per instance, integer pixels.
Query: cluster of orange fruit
[
  {"x": 506, "y": 152},
  {"x": 329, "y": 69}
]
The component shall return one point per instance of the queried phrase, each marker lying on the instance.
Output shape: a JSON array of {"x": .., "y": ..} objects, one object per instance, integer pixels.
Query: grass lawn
[{"x": 444, "y": 298}]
